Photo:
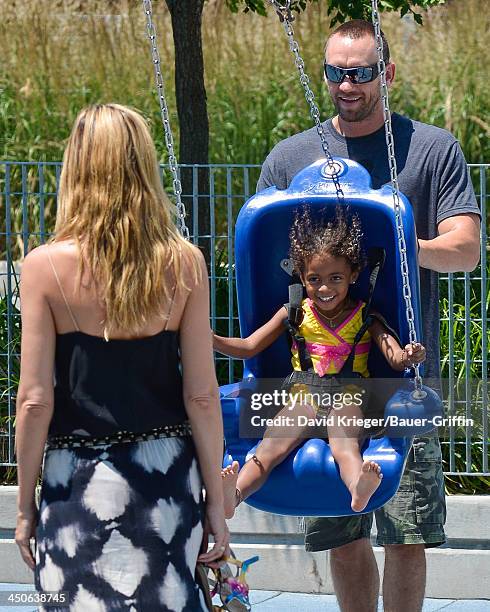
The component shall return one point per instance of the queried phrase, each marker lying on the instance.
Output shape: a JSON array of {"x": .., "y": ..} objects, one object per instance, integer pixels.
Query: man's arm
[
  {"x": 274, "y": 171},
  {"x": 456, "y": 248}
]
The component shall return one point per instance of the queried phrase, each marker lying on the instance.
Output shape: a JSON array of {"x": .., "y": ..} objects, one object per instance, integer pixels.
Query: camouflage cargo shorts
[{"x": 415, "y": 515}]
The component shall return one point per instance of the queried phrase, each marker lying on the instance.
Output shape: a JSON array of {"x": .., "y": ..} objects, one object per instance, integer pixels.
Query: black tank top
[
  {"x": 102, "y": 387},
  {"x": 121, "y": 385}
]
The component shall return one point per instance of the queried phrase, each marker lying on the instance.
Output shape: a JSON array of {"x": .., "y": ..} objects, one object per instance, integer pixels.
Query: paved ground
[
  {"x": 270, "y": 601},
  {"x": 274, "y": 601}
]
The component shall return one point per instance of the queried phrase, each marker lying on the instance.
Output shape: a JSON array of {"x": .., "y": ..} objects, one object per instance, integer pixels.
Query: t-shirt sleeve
[
  {"x": 273, "y": 172},
  {"x": 455, "y": 194},
  {"x": 266, "y": 178}
]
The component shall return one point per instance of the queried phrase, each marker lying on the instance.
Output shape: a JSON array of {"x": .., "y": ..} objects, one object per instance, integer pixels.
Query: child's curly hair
[{"x": 340, "y": 237}]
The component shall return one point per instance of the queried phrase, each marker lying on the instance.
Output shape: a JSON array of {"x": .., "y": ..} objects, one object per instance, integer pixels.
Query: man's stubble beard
[{"x": 366, "y": 110}]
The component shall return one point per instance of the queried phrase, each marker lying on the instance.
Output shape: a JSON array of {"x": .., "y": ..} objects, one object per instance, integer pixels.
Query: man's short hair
[{"x": 357, "y": 28}]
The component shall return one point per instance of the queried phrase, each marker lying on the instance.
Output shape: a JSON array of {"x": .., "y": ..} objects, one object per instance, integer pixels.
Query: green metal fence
[{"x": 216, "y": 194}]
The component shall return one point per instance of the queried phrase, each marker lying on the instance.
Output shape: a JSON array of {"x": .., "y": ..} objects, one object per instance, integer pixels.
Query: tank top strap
[
  {"x": 70, "y": 312},
  {"x": 169, "y": 312}
]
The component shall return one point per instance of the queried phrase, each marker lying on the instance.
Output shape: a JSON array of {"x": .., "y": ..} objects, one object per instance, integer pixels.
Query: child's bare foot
[
  {"x": 367, "y": 483},
  {"x": 230, "y": 475}
]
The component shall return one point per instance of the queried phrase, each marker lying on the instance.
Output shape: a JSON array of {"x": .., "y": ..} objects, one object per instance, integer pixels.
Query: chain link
[
  {"x": 402, "y": 247},
  {"x": 169, "y": 141},
  {"x": 286, "y": 17}
]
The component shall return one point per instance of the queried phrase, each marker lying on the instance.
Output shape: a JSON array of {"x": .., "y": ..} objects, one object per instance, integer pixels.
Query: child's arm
[
  {"x": 244, "y": 348},
  {"x": 399, "y": 358}
]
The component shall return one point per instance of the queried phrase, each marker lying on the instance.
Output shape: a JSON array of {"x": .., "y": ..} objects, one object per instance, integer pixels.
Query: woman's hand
[
  {"x": 215, "y": 525},
  {"x": 413, "y": 354},
  {"x": 24, "y": 531}
]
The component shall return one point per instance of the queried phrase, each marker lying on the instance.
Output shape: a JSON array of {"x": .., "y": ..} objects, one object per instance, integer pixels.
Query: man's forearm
[
  {"x": 457, "y": 246},
  {"x": 447, "y": 254}
]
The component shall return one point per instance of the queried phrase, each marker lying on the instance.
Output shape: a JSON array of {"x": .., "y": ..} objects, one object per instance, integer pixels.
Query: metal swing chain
[
  {"x": 286, "y": 17},
  {"x": 402, "y": 246},
  {"x": 169, "y": 141}
]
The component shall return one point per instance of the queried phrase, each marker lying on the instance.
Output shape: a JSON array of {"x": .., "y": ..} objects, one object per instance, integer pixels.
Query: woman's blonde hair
[{"x": 111, "y": 202}]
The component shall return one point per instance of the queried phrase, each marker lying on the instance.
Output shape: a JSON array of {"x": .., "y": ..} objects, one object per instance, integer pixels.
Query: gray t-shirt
[{"x": 432, "y": 173}]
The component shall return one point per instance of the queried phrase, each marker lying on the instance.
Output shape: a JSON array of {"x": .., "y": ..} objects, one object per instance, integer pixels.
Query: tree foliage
[{"x": 342, "y": 10}]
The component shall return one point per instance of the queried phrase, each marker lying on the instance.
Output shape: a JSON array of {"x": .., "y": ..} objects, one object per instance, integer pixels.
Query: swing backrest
[{"x": 262, "y": 242}]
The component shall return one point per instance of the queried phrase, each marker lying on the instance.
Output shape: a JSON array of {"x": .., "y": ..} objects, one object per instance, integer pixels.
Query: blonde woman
[{"x": 113, "y": 309}]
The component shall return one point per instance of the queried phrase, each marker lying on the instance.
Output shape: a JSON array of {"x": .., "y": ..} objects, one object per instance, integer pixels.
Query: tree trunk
[{"x": 192, "y": 111}]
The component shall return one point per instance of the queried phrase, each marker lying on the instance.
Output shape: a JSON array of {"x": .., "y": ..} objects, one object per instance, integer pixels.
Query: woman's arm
[
  {"x": 244, "y": 348},
  {"x": 201, "y": 398},
  {"x": 35, "y": 394},
  {"x": 399, "y": 358}
]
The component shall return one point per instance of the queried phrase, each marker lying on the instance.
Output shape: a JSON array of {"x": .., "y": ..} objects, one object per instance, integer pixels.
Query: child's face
[{"x": 327, "y": 281}]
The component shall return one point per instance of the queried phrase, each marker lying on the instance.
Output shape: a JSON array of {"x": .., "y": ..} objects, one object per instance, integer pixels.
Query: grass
[
  {"x": 462, "y": 484},
  {"x": 454, "y": 327},
  {"x": 56, "y": 61}
]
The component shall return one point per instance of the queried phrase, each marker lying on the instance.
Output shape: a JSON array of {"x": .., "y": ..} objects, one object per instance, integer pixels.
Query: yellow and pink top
[{"x": 329, "y": 348}]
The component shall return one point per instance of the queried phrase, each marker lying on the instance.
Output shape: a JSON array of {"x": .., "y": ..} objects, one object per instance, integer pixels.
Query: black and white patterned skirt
[{"x": 120, "y": 527}]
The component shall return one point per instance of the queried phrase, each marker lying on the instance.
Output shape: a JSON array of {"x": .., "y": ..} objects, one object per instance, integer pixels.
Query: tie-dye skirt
[{"x": 120, "y": 527}]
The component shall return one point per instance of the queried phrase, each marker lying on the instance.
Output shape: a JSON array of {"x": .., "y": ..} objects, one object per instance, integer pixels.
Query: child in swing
[{"x": 328, "y": 258}]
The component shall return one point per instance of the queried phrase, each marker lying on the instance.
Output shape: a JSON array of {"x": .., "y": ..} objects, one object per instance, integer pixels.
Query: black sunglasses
[{"x": 361, "y": 74}]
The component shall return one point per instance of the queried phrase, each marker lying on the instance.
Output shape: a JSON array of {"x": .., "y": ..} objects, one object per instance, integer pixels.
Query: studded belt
[{"x": 119, "y": 437}]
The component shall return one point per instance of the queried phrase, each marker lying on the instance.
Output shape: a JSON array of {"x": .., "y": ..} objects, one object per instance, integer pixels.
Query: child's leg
[
  {"x": 362, "y": 478},
  {"x": 237, "y": 486}
]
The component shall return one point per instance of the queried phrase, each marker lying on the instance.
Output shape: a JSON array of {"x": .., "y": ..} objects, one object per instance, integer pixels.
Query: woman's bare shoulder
[
  {"x": 193, "y": 269},
  {"x": 36, "y": 259},
  {"x": 66, "y": 248}
]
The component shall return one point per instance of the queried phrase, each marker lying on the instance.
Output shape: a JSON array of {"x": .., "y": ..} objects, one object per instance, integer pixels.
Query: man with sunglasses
[{"x": 434, "y": 176}]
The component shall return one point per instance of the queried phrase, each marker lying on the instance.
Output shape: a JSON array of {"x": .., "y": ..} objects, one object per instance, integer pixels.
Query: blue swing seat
[{"x": 307, "y": 483}]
